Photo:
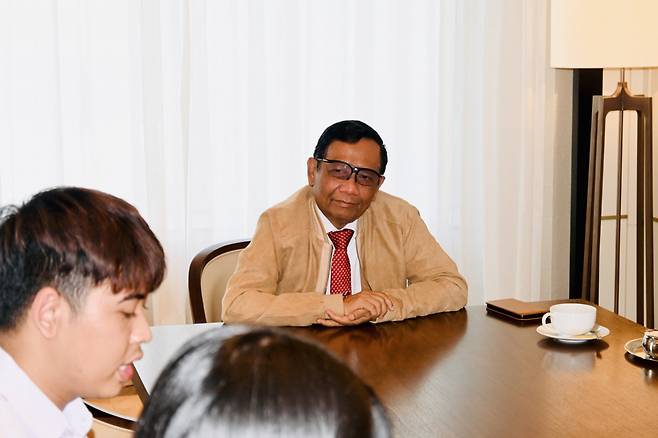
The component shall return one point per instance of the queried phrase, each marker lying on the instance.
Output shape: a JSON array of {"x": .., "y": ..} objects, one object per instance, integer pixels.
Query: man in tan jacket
[{"x": 340, "y": 252}]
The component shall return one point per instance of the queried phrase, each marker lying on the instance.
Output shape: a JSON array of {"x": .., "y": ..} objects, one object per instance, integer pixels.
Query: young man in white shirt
[{"x": 75, "y": 268}]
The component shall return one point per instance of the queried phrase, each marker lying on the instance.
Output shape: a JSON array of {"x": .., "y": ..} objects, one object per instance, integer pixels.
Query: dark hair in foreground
[
  {"x": 350, "y": 131},
  {"x": 73, "y": 239},
  {"x": 232, "y": 382}
]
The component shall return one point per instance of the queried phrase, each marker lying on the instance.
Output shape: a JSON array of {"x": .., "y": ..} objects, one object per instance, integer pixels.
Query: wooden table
[{"x": 472, "y": 374}]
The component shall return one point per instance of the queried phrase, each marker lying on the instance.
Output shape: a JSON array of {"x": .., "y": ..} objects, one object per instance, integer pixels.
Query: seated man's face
[
  {"x": 344, "y": 201},
  {"x": 101, "y": 340}
]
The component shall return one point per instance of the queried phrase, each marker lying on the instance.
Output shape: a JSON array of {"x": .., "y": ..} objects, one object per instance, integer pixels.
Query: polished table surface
[{"x": 473, "y": 374}]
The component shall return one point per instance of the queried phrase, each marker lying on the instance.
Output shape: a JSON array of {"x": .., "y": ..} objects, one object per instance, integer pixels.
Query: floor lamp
[{"x": 613, "y": 34}]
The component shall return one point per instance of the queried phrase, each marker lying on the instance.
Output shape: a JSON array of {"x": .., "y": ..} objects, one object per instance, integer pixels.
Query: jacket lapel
[
  {"x": 320, "y": 248},
  {"x": 362, "y": 240}
]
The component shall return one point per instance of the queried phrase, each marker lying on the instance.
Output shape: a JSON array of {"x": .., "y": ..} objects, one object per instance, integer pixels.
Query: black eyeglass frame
[{"x": 355, "y": 171}]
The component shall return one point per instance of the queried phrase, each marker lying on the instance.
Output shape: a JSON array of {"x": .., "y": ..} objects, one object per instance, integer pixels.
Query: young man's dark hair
[
  {"x": 350, "y": 131},
  {"x": 72, "y": 239},
  {"x": 75, "y": 268}
]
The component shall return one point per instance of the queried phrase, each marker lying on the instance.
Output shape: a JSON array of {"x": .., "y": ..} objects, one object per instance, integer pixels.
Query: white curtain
[{"x": 202, "y": 114}]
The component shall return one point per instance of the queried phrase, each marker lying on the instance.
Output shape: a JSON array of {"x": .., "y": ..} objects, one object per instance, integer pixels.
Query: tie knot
[{"x": 341, "y": 238}]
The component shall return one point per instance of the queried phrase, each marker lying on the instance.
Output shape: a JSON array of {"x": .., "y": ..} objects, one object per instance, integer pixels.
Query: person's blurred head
[
  {"x": 75, "y": 268},
  {"x": 259, "y": 383}
]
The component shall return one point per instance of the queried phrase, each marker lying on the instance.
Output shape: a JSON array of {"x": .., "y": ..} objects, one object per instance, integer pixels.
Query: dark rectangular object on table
[{"x": 517, "y": 309}]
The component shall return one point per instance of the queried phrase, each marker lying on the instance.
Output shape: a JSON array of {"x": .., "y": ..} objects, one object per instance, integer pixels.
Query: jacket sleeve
[
  {"x": 434, "y": 283},
  {"x": 252, "y": 294}
]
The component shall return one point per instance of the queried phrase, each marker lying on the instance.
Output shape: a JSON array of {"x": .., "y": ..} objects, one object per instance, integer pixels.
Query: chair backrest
[
  {"x": 102, "y": 429},
  {"x": 209, "y": 272}
]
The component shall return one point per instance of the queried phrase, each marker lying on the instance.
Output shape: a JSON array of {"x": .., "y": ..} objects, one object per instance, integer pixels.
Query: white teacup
[{"x": 571, "y": 318}]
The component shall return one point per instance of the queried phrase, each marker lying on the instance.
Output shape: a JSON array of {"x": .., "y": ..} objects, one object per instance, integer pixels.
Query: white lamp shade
[{"x": 604, "y": 33}]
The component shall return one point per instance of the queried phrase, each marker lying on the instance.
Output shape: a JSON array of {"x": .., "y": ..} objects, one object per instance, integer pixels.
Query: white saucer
[
  {"x": 598, "y": 333},
  {"x": 634, "y": 347}
]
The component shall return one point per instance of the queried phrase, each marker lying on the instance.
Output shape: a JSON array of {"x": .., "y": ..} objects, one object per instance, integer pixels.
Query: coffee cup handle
[{"x": 545, "y": 317}]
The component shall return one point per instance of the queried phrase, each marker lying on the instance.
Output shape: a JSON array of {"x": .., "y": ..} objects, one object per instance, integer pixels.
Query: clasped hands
[{"x": 359, "y": 308}]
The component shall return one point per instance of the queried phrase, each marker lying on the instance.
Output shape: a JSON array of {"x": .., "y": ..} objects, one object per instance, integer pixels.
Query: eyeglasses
[{"x": 342, "y": 170}]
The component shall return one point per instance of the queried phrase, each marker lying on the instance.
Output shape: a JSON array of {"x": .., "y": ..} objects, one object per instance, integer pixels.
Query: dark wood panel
[{"x": 586, "y": 83}]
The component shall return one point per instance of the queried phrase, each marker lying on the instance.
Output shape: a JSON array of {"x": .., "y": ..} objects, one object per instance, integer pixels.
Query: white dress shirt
[
  {"x": 25, "y": 411},
  {"x": 355, "y": 265}
]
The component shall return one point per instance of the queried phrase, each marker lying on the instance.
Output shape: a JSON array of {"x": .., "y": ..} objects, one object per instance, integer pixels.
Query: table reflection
[
  {"x": 571, "y": 358},
  {"x": 393, "y": 355}
]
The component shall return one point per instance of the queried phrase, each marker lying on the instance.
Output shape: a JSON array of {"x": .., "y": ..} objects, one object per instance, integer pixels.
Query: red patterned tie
[{"x": 341, "y": 273}]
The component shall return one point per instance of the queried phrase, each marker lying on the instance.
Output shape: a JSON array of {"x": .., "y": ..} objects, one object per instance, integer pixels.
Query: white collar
[
  {"x": 36, "y": 412},
  {"x": 328, "y": 226}
]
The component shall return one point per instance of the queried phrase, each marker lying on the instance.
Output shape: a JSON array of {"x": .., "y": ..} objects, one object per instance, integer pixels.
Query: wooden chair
[
  {"x": 102, "y": 429},
  {"x": 115, "y": 417},
  {"x": 209, "y": 272}
]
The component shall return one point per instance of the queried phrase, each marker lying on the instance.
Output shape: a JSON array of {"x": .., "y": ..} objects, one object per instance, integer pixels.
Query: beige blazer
[{"x": 281, "y": 276}]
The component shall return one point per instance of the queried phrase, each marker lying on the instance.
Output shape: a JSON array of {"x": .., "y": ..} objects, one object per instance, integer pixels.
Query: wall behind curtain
[{"x": 203, "y": 114}]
